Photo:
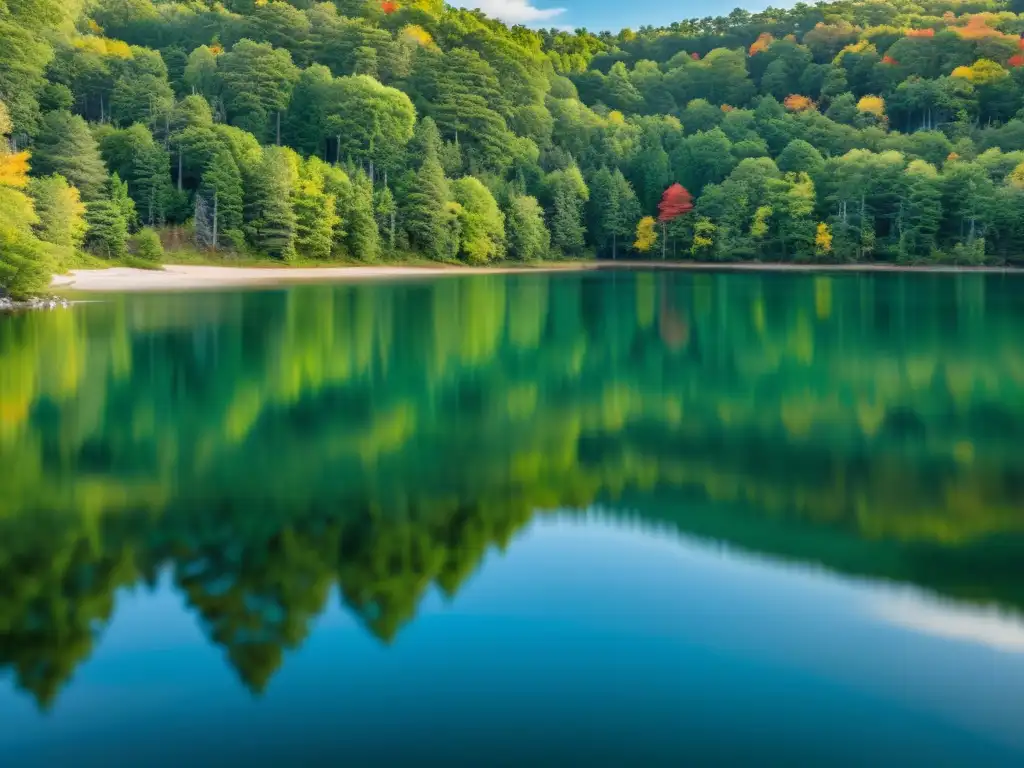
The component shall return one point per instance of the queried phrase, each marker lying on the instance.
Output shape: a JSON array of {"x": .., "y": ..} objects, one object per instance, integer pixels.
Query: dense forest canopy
[{"x": 371, "y": 129}]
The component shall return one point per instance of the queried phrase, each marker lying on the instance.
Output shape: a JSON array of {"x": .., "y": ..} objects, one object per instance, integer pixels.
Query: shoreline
[{"x": 187, "y": 277}]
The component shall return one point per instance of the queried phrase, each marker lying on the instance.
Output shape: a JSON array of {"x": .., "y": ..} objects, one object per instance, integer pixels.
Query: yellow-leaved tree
[
  {"x": 646, "y": 234},
  {"x": 823, "y": 239},
  {"x": 13, "y": 165},
  {"x": 23, "y": 268}
]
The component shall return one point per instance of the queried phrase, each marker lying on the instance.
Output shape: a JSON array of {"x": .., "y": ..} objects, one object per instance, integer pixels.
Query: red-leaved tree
[{"x": 677, "y": 201}]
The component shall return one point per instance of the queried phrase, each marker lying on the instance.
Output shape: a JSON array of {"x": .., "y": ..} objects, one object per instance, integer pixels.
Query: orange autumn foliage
[
  {"x": 727, "y": 107},
  {"x": 920, "y": 33},
  {"x": 389, "y": 7},
  {"x": 977, "y": 27},
  {"x": 887, "y": 59},
  {"x": 1016, "y": 61},
  {"x": 797, "y": 103},
  {"x": 764, "y": 40}
]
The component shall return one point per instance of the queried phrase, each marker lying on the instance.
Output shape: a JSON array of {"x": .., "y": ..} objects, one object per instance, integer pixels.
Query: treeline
[{"x": 366, "y": 129}]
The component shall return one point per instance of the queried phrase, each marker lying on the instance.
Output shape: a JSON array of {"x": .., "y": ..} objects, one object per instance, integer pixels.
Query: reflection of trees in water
[{"x": 381, "y": 438}]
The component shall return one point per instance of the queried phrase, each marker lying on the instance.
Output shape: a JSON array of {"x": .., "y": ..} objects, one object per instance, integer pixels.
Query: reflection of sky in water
[{"x": 611, "y": 643}]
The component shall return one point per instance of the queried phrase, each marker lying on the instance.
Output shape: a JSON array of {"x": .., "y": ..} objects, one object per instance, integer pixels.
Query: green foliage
[
  {"x": 424, "y": 209},
  {"x": 256, "y": 82},
  {"x": 122, "y": 200},
  {"x": 221, "y": 191},
  {"x": 528, "y": 237},
  {"x": 65, "y": 146},
  {"x": 147, "y": 245},
  {"x": 482, "y": 223},
  {"x": 269, "y": 216},
  {"x": 108, "y": 230},
  {"x": 60, "y": 211},
  {"x": 24, "y": 266},
  {"x": 363, "y": 236},
  {"x": 315, "y": 216},
  {"x": 429, "y": 92},
  {"x": 568, "y": 194}
]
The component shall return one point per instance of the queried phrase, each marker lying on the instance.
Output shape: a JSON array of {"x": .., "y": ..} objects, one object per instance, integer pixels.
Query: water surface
[{"x": 614, "y": 518}]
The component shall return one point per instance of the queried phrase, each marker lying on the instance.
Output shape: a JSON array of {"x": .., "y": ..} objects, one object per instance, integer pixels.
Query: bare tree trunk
[
  {"x": 180, "y": 163},
  {"x": 216, "y": 198}
]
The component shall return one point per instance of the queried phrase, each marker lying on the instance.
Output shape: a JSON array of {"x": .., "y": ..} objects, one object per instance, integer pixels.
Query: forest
[
  {"x": 373, "y": 442},
  {"x": 367, "y": 130}
]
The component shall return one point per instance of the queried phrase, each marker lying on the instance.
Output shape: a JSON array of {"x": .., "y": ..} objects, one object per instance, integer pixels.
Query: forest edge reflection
[{"x": 268, "y": 446}]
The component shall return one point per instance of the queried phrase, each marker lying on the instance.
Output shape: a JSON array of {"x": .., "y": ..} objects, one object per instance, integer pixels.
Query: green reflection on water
[{"x": 381, "y": 437}]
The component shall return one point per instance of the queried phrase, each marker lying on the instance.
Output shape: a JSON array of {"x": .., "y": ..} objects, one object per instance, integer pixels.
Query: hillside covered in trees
[{"x": 371, "y": 129}]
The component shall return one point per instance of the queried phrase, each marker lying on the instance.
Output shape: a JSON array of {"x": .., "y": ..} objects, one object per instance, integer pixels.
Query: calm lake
[{"x": 620, "y": 518}]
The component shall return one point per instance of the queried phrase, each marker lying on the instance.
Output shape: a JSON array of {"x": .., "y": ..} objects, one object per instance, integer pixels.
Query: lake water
[{"x": 609, "y": 519}]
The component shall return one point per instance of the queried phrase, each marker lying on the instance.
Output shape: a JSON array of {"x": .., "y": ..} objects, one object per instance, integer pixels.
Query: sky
[{"x": 598, "y": 15}]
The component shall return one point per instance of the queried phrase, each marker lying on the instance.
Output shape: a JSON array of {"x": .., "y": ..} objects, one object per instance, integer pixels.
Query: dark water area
[{"x": 616, "y": 519}]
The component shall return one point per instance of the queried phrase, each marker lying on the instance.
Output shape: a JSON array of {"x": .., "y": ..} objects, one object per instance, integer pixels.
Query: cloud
[{"x": 512, "y": 11}]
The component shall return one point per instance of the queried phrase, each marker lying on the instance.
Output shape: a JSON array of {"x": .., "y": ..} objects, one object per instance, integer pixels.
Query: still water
[{"x": 609, "y": 519}]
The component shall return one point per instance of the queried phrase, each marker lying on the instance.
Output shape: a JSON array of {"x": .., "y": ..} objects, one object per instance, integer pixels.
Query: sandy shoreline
[{"x": 187, "y": 277}]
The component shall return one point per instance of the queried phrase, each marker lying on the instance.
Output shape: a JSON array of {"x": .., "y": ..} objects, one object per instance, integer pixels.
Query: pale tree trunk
[{"x": 216, "y": 197}]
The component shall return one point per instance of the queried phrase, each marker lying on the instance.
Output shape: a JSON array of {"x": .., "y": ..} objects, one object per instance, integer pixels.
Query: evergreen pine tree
[
  {"x": 66, "y": 146},
  {"x": 363, "y": 236},
  {"x": 425, "y": 215},
  {"x": 221, "y": 189}
]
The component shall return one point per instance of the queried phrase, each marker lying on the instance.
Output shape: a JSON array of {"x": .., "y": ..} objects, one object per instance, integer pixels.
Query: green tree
[
  {"x": 363, "y": 235},
  {"x": 372, "y": 123},
  {"x": 118, "y": 191},
  {"x": 528, "y": 237},
  {"x": 425, "y": 205},
  {"x": 222, "y": 195},
  {"x": 201, "y": 73},
  {"x": 24, "y": 269},
  {"x": 921, "y": 213},
  {"x": 60, "y": 211},
  {"x": 108, "y": 230},
  {"x": 482, "y": 222},
  {"x": 23, "y": 61},
  {"x": 800, "y": 157},
  {"x": 613, "y": 210},
  {"x": 147, "y": 245},
  {"x": 315, "y": 212},
  {"x": 568, "y": 194},
  {"x": 269, "y": 216},
  {"x": 137, "y": 158},
  {"x": 256, "y": 82},
  {"x": 65, "y": 146}
]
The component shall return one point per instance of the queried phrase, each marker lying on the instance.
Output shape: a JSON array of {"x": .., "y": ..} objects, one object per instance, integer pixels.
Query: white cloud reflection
[{"x": 980, "y": 625}]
